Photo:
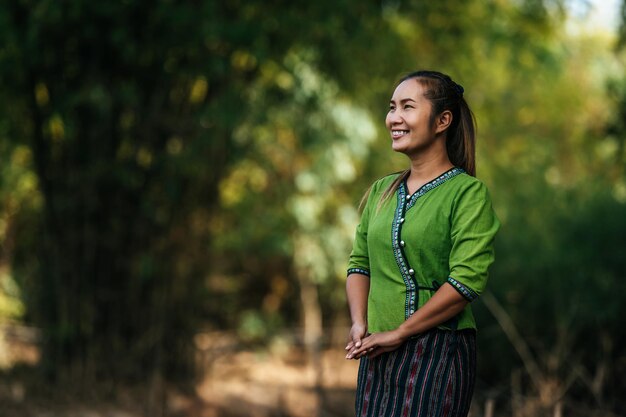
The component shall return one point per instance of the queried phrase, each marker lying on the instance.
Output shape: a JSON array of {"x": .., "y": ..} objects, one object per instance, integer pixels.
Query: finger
[
  {"x": 363, "y": 349},
  {"x": 382, "y": 349},
  {"x": 367, "y": 352},
  {"x": 378, "y": 351},
  {"x": 351, "y": 354},
  {"x": 355, "y": 342},
  {"x": 354, "y": 353}
]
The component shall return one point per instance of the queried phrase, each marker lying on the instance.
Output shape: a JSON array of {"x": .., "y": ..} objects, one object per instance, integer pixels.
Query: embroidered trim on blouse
[
  {"x": 398, "y": 219},
  {"x": 465, "y": 291},
  {"x": 408, "y": 274},
  {"x": 451, "y": 173},
  {"x": 358, "y": 271}
]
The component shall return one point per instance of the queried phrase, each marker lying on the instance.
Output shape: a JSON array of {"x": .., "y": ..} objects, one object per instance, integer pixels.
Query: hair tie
[{"x": 459, "y": 89}]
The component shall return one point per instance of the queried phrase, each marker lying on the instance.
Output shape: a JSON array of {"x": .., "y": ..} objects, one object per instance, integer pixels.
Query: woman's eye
[{"x": 408, "y": 106}]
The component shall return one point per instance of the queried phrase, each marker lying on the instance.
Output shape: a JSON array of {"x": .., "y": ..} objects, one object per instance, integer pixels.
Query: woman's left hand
[{"x": 377, "y": 343}]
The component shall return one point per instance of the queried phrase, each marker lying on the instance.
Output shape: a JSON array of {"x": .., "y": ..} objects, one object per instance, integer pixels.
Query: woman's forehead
[{"x": 410, "y": 88}]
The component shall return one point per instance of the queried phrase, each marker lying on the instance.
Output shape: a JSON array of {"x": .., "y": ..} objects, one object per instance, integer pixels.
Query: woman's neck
[{"x": 425, "y": 169}]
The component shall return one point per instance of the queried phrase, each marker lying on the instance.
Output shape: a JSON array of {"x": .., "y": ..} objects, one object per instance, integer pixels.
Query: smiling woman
[
  {"x": 408, "y": 120},
  {"x": 413, "y": 329}
]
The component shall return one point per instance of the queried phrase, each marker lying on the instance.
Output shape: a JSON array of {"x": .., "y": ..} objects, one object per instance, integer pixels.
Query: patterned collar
[{"x": 403, "y": 189}]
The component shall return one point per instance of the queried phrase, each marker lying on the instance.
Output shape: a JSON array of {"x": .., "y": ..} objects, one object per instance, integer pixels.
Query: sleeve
[
  {"x": 474, "y": 226},
  {"x": 359, "y": 258}
]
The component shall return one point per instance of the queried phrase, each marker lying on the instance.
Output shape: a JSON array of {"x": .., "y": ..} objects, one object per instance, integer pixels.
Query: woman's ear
[{"x": 443, "y": 121}]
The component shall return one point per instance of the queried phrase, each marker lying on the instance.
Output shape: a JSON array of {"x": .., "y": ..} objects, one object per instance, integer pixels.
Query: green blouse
[{"x": 413, "y": 244}]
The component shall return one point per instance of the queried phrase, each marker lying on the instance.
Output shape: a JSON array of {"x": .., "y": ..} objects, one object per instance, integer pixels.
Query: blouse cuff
[
  {"x": 358, "y": 271},
  {"x": 467, "y": 293}
]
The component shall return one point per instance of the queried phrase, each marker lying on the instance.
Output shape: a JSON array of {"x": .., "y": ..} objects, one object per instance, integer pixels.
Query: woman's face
[{"x": 409, "y": 120}]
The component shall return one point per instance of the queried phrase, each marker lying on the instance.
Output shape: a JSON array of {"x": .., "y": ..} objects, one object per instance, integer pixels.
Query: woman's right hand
[{"x": 357, "y": 332}]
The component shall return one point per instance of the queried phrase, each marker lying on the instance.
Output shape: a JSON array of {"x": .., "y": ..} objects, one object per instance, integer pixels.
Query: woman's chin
[{"x": 398, "y": 147}]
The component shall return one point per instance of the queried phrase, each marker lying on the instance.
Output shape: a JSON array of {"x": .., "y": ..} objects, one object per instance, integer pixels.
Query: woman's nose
[{"x": 394, "y": 118}]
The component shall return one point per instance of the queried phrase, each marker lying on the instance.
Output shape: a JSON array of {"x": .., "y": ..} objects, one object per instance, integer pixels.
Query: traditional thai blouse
[{"x": 413, "y": 243}]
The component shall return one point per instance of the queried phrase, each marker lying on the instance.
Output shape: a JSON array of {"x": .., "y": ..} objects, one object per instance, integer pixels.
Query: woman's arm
[
  {"x": 444, "y": 304},
  {"x": 357, "y": 291}
]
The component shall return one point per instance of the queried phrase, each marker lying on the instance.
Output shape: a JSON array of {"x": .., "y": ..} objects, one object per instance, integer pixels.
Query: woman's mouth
[{"x": 395, "y": 134}]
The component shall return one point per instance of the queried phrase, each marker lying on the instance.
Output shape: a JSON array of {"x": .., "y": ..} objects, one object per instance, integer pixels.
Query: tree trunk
[{"x": 313, "y": 333}]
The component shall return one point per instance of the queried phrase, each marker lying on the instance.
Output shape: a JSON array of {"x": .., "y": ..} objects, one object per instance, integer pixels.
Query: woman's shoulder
[
  {"x": 465, "y": 185},
  {"x": 465, "y": 180}
]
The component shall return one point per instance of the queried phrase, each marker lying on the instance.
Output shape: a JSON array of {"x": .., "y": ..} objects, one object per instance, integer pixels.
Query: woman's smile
[{"x": 397, "y": 134}]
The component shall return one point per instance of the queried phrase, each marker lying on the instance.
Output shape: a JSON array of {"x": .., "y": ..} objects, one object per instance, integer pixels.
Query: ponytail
[{"x": 460, "y": 141}]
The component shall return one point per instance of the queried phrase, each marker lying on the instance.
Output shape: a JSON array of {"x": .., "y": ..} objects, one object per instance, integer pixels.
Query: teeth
[{"x": 398, "y": 133}]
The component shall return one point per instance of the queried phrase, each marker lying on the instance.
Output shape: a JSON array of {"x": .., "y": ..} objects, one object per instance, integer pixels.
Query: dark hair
[{"x": 445, "y": 94}]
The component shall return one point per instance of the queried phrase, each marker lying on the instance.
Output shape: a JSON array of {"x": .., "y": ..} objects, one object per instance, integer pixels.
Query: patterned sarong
[{"x": 431, "y": 375}]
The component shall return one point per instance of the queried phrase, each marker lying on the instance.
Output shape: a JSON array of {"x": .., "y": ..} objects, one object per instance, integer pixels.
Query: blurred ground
[
  {"x": 280, "y": 381},
  {"x": 261, "y": 385}
]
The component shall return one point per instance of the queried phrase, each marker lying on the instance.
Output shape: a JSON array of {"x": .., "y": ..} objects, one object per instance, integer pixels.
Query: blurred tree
[{"x": 129, "y": 110}]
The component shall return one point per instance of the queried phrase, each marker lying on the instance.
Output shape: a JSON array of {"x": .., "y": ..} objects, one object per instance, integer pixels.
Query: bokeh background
[{"x": 179, "y": 183}]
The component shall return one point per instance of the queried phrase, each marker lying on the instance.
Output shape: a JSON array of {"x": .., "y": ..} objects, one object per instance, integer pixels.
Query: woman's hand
[
  {"x": 356, "y": 335},
  {"x": 377, "y": 343}
]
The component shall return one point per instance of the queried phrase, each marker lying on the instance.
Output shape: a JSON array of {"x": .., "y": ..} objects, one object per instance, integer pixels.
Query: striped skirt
[{"x": 431, "y": 375}]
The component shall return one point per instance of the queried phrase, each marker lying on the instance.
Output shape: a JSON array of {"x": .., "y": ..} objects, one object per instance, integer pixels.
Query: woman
[{"x": 420, "y": 256}]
